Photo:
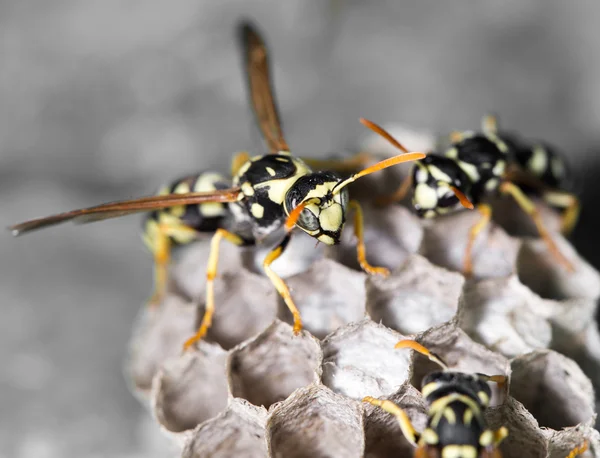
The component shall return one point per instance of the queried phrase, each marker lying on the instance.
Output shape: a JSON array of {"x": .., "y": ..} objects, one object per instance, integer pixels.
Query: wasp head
[
  {"x": 324, "y": 210},
  {"x": 437, "y": 184}
]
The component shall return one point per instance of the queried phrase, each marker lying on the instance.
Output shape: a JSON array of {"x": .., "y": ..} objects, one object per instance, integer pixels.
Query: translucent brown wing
[
  {"x": 256, "y": 65},
  {"x": 126, "y": 207}
]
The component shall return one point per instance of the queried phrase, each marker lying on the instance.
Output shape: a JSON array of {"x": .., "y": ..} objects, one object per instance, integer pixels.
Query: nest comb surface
[{"x": 254, "y": 389}]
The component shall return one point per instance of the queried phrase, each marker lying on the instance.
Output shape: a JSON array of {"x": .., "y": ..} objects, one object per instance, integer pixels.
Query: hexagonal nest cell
[{"x": 254, "y": 388}]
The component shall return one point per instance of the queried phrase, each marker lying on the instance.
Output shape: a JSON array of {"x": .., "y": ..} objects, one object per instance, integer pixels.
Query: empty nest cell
[
  {"x": 268, "y": 368},
  {"x": 316, "y": 422},
  {"x": 238, "y": 431},
  {"x": 416, "y": 296},
  {"x": 191, "y": 388},
  {"x": 360, "y": 360}
]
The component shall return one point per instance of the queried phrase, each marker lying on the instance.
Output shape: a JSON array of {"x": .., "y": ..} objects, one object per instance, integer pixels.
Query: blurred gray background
[{"x": 106, "y": 99}]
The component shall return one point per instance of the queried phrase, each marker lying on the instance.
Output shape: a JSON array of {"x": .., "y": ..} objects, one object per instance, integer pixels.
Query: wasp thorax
[
  {"x": 324, "y": 213},
  {"x": 433, "y": 180}
]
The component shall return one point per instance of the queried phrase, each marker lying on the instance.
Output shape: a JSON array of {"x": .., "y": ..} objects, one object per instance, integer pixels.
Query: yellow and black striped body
[
  {"x": 206, "y": 217},
  {"x": 456, "y": 427},
  {"x": 474, "y": 165}
]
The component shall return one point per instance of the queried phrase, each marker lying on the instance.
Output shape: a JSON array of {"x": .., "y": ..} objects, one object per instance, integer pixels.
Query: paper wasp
[
  {"x": 473, "y": 168},
  {"x": 456, "y": 403},
  {"x": 540, "y": 170},
  {"x": 267, "y": 193}
]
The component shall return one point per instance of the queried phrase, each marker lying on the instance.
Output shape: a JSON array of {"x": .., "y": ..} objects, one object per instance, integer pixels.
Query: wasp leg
[
  {"x": 528, "y": 207},
  {"x": 159, "y": 244},
  {"x": 161, "y": 251},
  {"x": 238, "y": 160},
  {"x": 571, "y": 205},
  {"x": 486, "y": 215},
  {"x": 405, "y": 424},
  {"x": 279, "y": 284},
  {"x": 398, "y": 195},
  {"x": 211, "y": 273},
  {"x": 360, "y": 245},
  {"x": 499, "y": 435},
  {"x": 578, "y": 450},
  {"x": 350, "y": 164}
]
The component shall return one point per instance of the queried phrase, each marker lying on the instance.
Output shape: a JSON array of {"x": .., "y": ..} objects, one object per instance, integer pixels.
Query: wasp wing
[
  {"x": 127, "y": 207},
  {"x": 256, "y": 66}
]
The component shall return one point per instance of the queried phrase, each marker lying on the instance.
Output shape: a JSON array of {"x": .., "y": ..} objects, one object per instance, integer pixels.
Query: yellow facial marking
[
  {"x": 282, "y": 159},
  {"x": 327, "y": 240},
  {"x": 425, "y": 196},
  {"x": 270, "y": 171},
  {"x": 331, "y": 218},
  {"x": 257, "y": 210}
]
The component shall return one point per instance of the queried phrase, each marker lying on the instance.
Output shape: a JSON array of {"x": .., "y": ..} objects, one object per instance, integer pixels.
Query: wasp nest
[{"x": 253, "y": 388}]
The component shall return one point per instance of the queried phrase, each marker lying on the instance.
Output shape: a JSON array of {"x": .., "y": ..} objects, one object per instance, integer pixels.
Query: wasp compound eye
[{"x": 308, "y": 220}]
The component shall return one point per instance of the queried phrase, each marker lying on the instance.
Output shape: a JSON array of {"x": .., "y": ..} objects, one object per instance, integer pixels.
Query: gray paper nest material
[
  {"x": 270, "y": 367},
  {"x": 314, "y": 421},
  {"x": 312, "y": 388},
  {"x": 416, "y": 296},
  {"x": 238, "y": 431}
]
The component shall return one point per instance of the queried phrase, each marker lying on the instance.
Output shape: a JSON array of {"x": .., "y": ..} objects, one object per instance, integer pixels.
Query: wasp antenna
[
  {"x": 384, "y": 133},
  {"x": 464, "y": 200},
  {"x": 421, "y": 349},
  {"x": 379, "y": 166}
]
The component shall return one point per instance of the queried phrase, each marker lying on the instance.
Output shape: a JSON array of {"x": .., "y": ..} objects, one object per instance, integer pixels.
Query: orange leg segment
[
  {"x": 578, "y": 450},
  {"x": 486, "y": 215},
  {"x": 211, "y": 273},
  {"x": 279, "y": 284},
  {"x": 528, "y": 207},
  {"x": 360, "y": 245}
]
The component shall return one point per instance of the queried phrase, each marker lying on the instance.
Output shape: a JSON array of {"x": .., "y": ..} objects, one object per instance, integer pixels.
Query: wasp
[
  {"x": 267, "y": 193},
  {"x": 456, "y": 427},
  {"x": 473, "y": 168},
  {"x": 540, "y": 170}
]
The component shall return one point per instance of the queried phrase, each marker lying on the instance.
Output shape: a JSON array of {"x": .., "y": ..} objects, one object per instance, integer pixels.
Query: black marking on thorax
[
  {"x": 483, "y": 154},
  {"x": 263, "y": 212}
]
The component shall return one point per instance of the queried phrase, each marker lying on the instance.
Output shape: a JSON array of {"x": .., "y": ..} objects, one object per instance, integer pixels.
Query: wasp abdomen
[{"x": 206, "y": 217}]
